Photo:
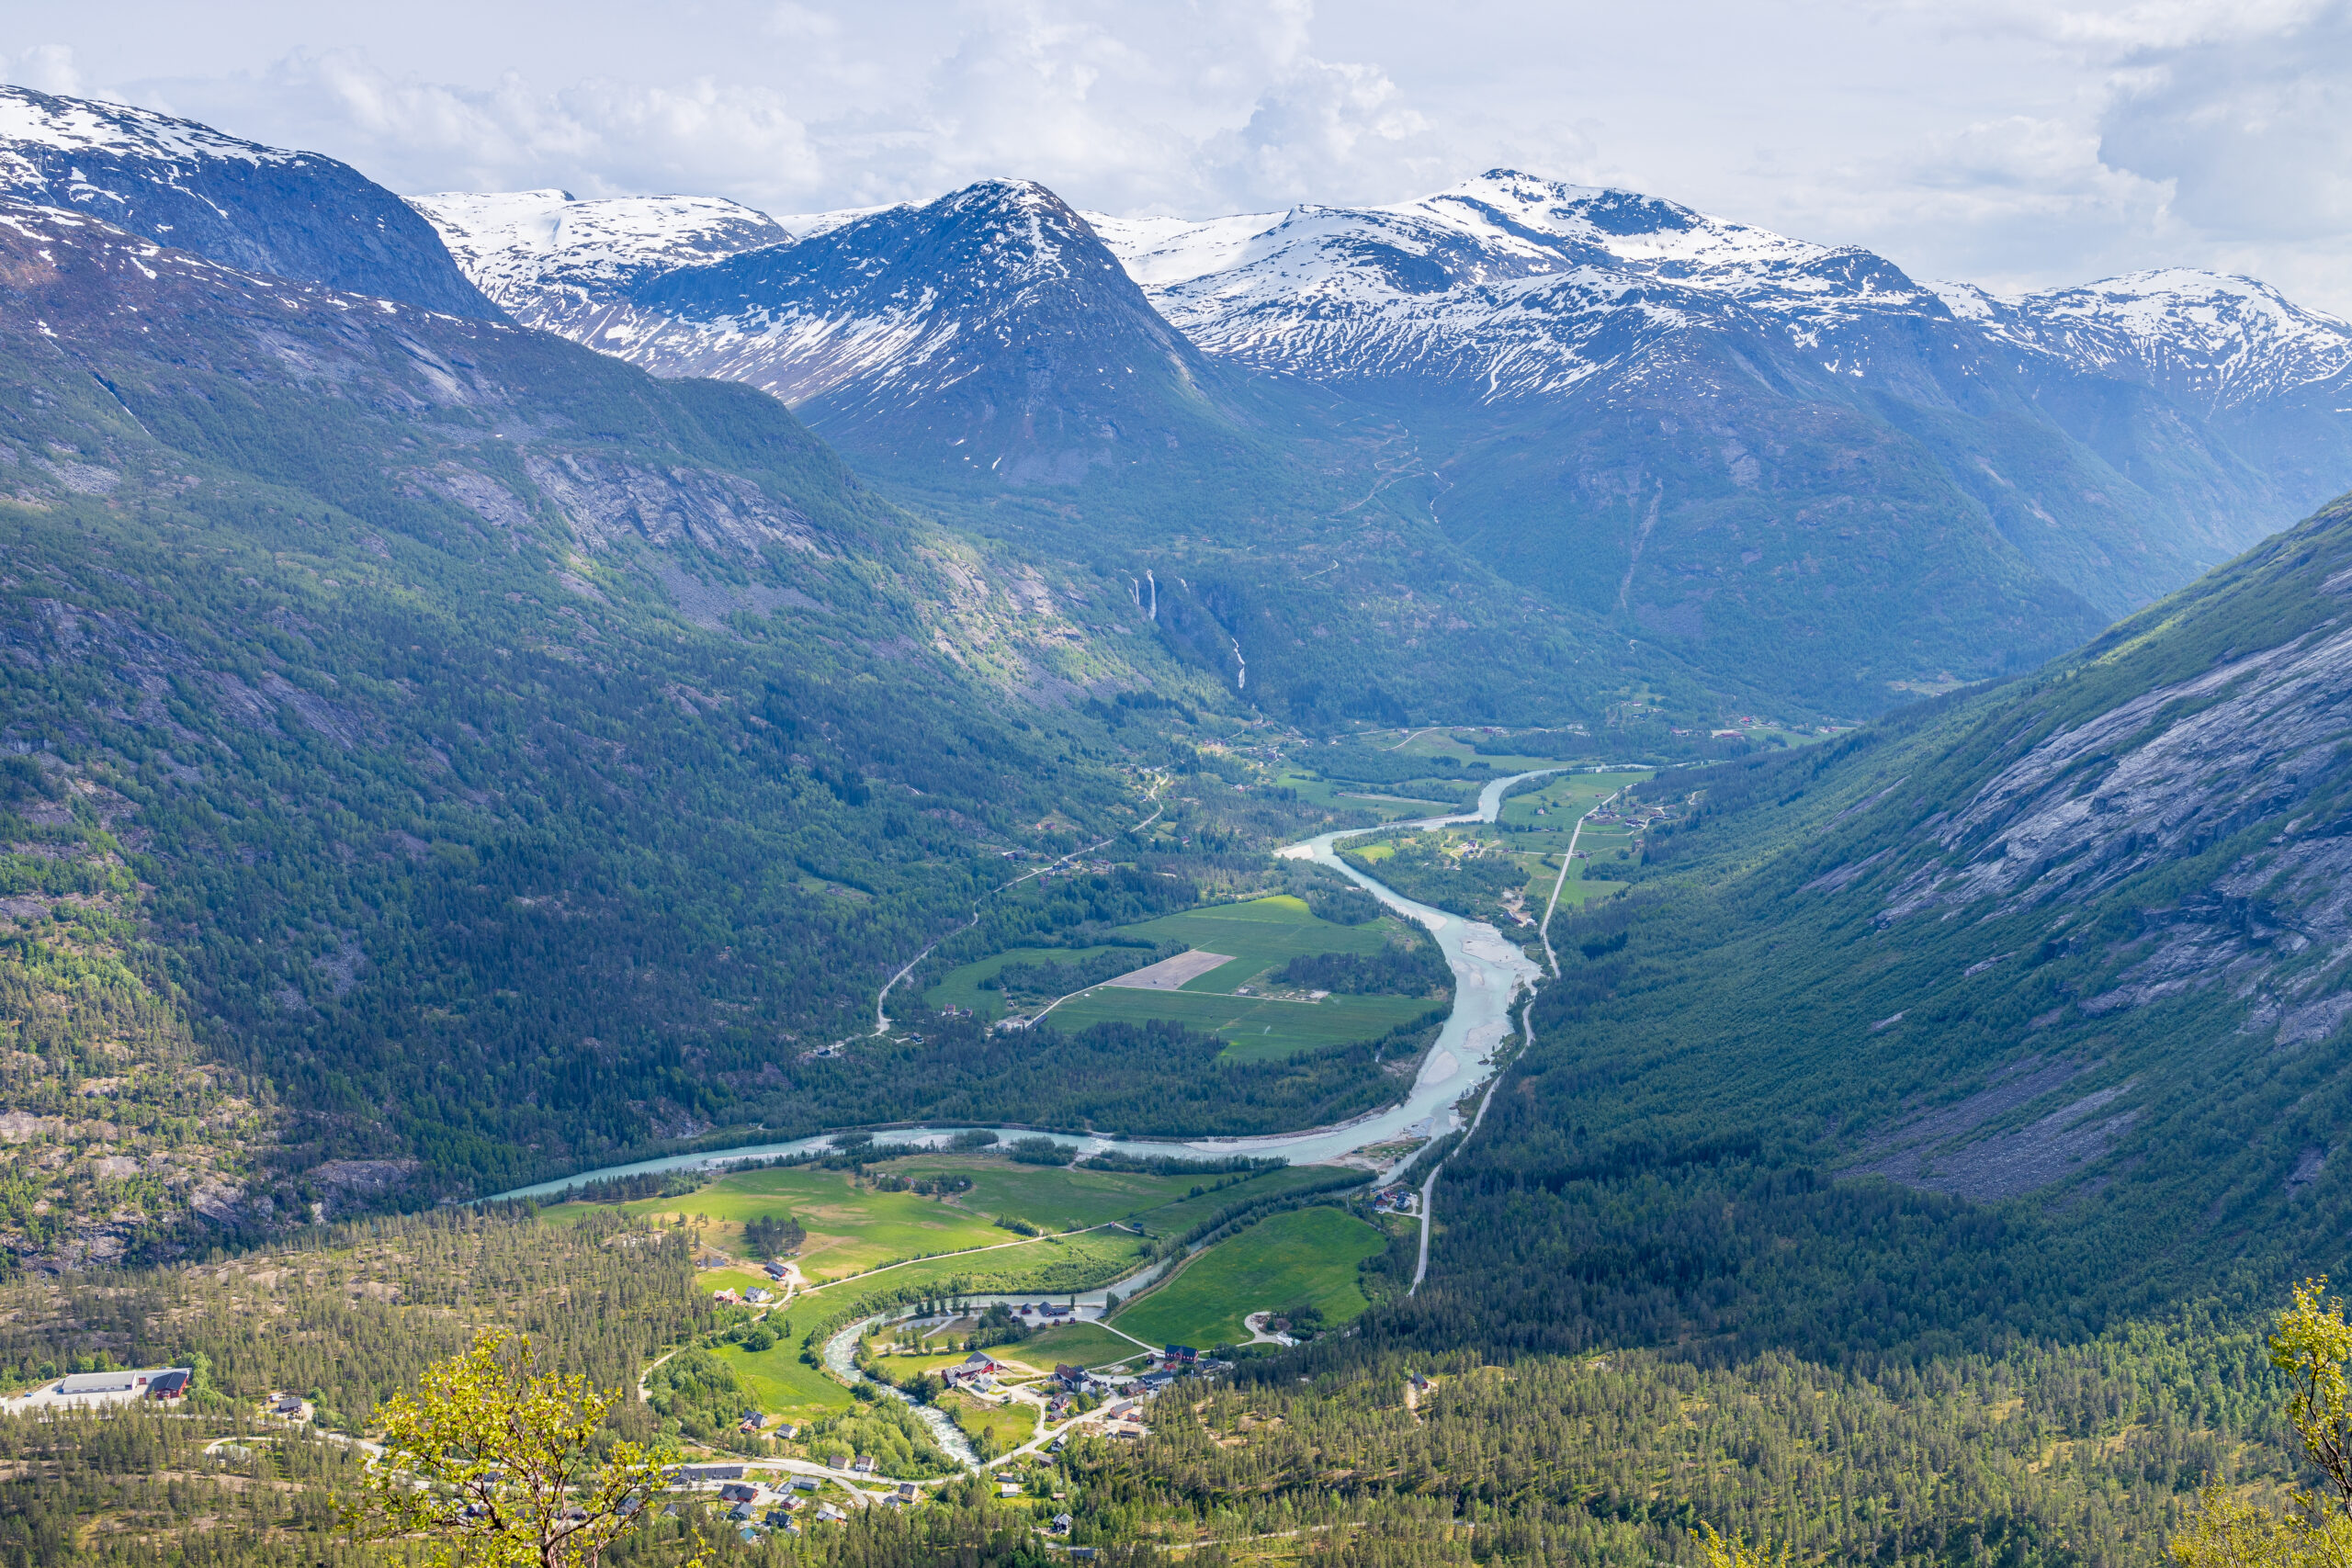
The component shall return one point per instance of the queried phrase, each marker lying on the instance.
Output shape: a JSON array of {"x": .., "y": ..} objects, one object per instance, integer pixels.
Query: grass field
[
  {"x": 1008, "y": 1425},
  {"x": 1056, "y": 1196},
  {"x": 784, "y": 1385},
  {"x": 850, "y": 1229},
  {"x": 1254, "y": 1029},
  {"x": 902, "y": 1366},
  {"x": 962, "y": 986},
  {"x": 1305, "y": 1256},
  {"x": 1077, "y": 1344}
]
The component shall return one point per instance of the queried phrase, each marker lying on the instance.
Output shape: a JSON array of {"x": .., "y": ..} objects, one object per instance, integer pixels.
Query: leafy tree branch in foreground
[
  {"x": 493, "y": 1463},
  {"x": 2309, "y": 1345}
]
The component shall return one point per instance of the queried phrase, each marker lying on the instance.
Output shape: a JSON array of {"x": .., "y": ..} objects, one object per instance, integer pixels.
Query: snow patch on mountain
[
  {"x": 1157, "y": 252},
  {"x": 1514, "y": 287},
  {"x": 2220, "y": 338},
  {"x": 538, "y": 251},
  {"x": 83, "y": 125},
  {"x": 1519, "y": 286},
  {"x": 880, "y": 308}
]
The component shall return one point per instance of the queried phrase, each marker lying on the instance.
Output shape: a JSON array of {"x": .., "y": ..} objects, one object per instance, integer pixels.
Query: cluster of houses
[
  {"x": 756, "y": 1296},
  {"x": 775, "y": 1426},
  {"x": 755, "y": 1505},
  {"x": 1396, "y": 1201}
]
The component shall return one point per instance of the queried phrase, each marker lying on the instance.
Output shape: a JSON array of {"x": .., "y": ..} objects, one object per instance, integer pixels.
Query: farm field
[
  {"x": 1564, "y": 799},
  {"x": 850, "y": 1229},
  {"x": 1056, "y": 1196},
  {"x": 1259, "y": 936},
  {"x": 1338, "y": 794},
  {"x": 1253, "y": 1028},
  {"x": 1262, "y": 935},
  {"x": 1307, "y": 1256},
  {"x": 783, "y": 1384},
  {"x": 1054, "y": 1266},
  {"x": 1077, "y": 1344},
  {"x": 1180, "y": 1216},
  {"x": 736, "y": 1280}
]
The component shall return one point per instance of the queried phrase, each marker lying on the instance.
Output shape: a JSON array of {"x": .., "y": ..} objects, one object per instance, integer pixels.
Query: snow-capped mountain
[
  {"x": 294, "y": 215},
  {"x": 993, "y": 316},
  {"x": 1743, "y": 443},
  {"x": 2221, "y": 340},
  {"x": 2123, "y": 436},
  {"x": 542, "y": 254},
  {"x": 1498, "y": 285}
]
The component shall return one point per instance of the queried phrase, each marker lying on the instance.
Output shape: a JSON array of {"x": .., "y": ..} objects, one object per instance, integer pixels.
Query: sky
[{"x": 2012, "y": 144}]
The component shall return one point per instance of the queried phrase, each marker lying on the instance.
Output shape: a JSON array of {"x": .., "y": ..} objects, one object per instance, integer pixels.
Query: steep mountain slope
[
  {"x": 479, "y": 756},
  {"x": 2076, "y": 949},
  {"x": 295, "y": 215},
  {"x": 1570, "y": 357}
]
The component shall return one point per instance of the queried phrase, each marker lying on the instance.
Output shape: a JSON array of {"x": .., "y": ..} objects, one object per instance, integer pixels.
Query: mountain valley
[{"x": 1610, "y": 874}]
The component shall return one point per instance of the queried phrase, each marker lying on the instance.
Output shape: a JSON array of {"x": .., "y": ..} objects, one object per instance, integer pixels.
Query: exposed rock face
[
  {"x": 2165, "y": 777},
  {"x": 606, "y": 499}
]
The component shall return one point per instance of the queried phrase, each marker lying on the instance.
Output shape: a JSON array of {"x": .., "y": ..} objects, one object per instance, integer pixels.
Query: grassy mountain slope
[{"x": 2014, "y": 1012}]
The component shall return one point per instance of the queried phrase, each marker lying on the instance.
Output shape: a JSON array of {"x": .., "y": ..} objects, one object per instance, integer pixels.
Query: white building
[{"x": 84, "y": 1391}]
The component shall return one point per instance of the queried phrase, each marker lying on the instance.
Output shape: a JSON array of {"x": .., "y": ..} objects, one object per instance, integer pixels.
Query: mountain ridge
[{"x": 296, "y": 215}]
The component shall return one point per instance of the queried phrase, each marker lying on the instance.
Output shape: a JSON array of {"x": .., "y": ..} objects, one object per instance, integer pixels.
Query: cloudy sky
[{"x": 2003, "y": 142}]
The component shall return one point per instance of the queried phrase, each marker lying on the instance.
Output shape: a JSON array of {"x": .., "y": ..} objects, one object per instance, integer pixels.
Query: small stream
[{"x": 1488, "y": 973}]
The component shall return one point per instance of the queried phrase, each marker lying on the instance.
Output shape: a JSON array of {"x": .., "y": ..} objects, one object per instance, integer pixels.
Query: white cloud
[
  {"x": 46, "y": 67},
  {"x": 597, "y": 136},
  {"x": 1999, "y": 141},
  {"x": 2253, "y": 130}
]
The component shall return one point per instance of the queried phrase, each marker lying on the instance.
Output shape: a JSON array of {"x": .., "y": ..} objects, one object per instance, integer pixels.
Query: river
[{"x": 1488, "y": 974}]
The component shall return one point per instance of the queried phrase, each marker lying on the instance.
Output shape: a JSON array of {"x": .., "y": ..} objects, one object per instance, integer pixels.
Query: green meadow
[
  {"x": 1307, "y": 1256},
  {"x": 1055, "y": 1197},
  {"x": 961, "y": 988},
  {"x": 850, "y": 1228},
  {"x": 1253, "y": 1028},
  {"x": 783, "y": 1384},
  {"x": 1075, "y": 1344}
]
